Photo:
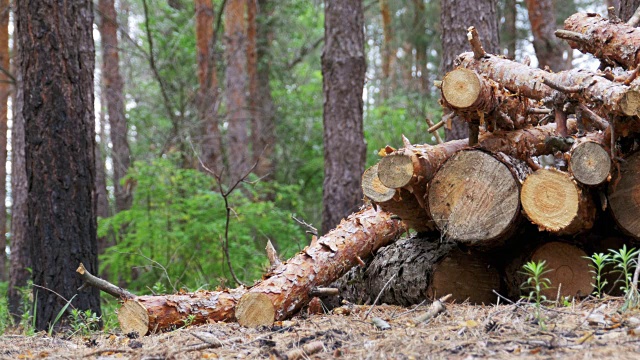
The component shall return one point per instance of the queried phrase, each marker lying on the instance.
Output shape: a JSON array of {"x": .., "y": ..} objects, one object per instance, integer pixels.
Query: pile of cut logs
[{"x": 549, "y": 172}]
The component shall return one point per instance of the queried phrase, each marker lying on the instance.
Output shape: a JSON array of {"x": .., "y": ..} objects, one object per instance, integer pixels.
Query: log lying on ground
[
  {"x": 556, "y": 203},
  {"x": 617, "y": 44},
  {"x": 474, "y": 198},
  {"x": 569, "y": 271},
  {"x": 590, "y": 161},
  {"x": 424, "y": 268},
  {"x": 287, "y": 289},
  {"x": 580, "y": 84},
  {"x": 400, "y": 202},
  {"x": 624, "y": 195}
]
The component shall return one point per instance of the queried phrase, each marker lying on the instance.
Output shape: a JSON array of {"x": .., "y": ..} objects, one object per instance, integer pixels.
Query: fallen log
[
  {"x": 624, "y": 195},
  {"x": 556, "y": 203},
  {"x": 474, "y": 198},
  {"x": 615, "y": 43},
  {"x": 590, "y": 161},
  {"x": 400, "y": 202},
  {"x": 287, "y": 287}
]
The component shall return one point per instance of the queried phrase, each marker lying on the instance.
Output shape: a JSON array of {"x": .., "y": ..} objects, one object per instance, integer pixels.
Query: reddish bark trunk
[{"x": 549, "y": 50}]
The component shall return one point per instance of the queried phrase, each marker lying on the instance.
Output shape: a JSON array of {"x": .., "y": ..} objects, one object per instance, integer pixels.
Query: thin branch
[
  {"x": 9, "y": 75},
  {"x": 560, "y": 87},
  {"x": 102, "y": 284},
  {"x": 571, "y": 36},
  {"x": 378, "y": 297},
  {"x": 304, "y": 52},
  {"x": 437, "y": 134},
  {"x": 312, "y": 230},
  {"x": 476, "y": 45}
]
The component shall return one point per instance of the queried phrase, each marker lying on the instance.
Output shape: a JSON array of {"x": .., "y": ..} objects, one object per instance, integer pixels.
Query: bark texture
[
  {"x": 627, "y": 9},
  {"x": 455, "y": 17},
  {"x": 624, "y": 195},
  {"x": 57, "y": 63},
  {"x": 286, "y": 289},
  {"x": 343, "y": 70},
  {"x": 5, "y": 88},
  {"x": 509, "y": 34},
  {"x": 388, "y": 55},
  {"x": 549, "y": 50},
  {"x": 114, "y": 88}
]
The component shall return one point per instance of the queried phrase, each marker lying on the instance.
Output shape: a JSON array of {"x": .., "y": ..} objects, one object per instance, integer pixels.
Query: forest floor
[{"x": 583, "y": 330}]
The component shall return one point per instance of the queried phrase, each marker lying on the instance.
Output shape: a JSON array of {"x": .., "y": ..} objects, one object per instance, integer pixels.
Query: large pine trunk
[
  {"x": 5, "y": 88},
  {"x": 60, "y": 164},
  {"x": 549, "y": 50},
  {"x": 343, "y": 69}
]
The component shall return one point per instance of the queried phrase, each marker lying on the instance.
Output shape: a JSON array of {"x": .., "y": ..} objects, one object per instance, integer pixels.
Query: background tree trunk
[
  {"x": 102, "y": 196},
  {"x": 343, "y": 69},
  {"x": 456, "y": 16},
  {"x": 114, "y": 87},
  {"x": 627, "y": 8},
  {"x": 5, "y": 88},
  {"x": 60, "y": 135},
  {"x": 509, "y": 34},
  {"x": 387, "y": 55},
  {"x": 549, "y": 49},
  {"x": 236, "y": 87}
]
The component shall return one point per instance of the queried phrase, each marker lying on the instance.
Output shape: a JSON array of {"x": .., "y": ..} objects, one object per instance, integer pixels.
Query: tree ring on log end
[
  {"x": 624, "y": 195},
  {"x": 630, "y": 103},
  {"x": 461, "y": 88},
  {"x": 133, "y": 317},
  {"x": 474, "y": 198},
  {"x": 373, "y": 188},
  {"x": 590, "y": 163},
  {"x": 567, "y": 267},
  {"x": 255, "y": 309},
  {"x": 395, "y": 170}
]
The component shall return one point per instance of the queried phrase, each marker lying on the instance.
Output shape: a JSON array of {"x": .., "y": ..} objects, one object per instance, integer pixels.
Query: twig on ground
[
  {"x": 436, "y": 308},
  {"x": 378, "y": 297}
]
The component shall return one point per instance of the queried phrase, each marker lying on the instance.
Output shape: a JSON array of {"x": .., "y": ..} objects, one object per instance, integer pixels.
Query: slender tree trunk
[
  {"x": 627, "y": 8},
  {"x": 20, "y": 260},
  {"x": 387, "y": 51},
  {"x": 509, "y": 30},
  {"x": 5, "y": 88},
  {"x": 343, "y": 69},
  {"x": 114, "y": 87},
  {"x": 236, "y": 87},
  {"x": 60, "y": 140},
  {"x": 456, "y": 16},
  {"x": 212, "y": 155},
  {"x": 419, "y": 25},
  {"x": 549, "y": 50},
  {"x": 102, "y": 196}
]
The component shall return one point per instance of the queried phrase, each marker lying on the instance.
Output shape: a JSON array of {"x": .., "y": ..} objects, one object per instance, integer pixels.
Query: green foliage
[
  {"x": 5, "y": 318},
  {"x": 598, "y": 263},
  {"x": 83, "y": 323},
  {"x": 536, "y": 284},
  {"x": 624, "y": 263},
  {"x": 172, "y": 235}
]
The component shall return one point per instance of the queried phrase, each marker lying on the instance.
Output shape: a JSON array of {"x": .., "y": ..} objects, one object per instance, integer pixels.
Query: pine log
[
  {"x": 590, "y": 161},
  {"x": 400, "y": 202},
  {"x": 624, "y": 195},
  {"x": 287, "y": 289},
  {"x": 580, "y": 84},
  {"x": 615, "y": 43},
  {"x": 556, "y": 203},
  {"x": 474, "y": 198},
  {"x": 568, "y": 271},
  {"x": 423, "y": 268}
]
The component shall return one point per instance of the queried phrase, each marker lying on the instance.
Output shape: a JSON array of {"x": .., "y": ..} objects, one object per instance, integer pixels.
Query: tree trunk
[
  {"x": 20, "y": 260},
  {"x": 343, "y": 70},
  {"x": 474, "y": 198},
  {"x": 286, "y": 289},
  {"x": 590, "y": 160},
  {"x": 60, "y": 136},
  {"x": 388, "y": 55},
  {"x": 624, "y": 195},
  {"x": 627, "y": 8},
  {"x": 208, "y": 101},
  {"x": 615, "y": 44},
  {"x": 421, "y": 45},
  {"x": 555, "y": 202},
  {"x": 236, "y": 88},
  {"x": 455, "y": 17},
  {"x": 102, "y": 197},
  {"x": 549, "y": 50},
  {"x": 5, "y": 89},
  {"x": 509, "y": 33}
]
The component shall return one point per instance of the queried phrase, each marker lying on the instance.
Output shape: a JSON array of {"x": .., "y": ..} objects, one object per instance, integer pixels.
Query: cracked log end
[
  {"x": 373, "y": 188},
  {"x": 255, "y": 309},
  {"x": 461, "y": 88},
  {"x": 624, "y": 195},
  {"x": 630, "y": 103},
  {"x": 133, "y": 317},
  {"x": 590, "y": 163},
  {"x": 568, "y": 266},
  {"x": 395, "y": 170},
  {"x": 554, "y": 202}
]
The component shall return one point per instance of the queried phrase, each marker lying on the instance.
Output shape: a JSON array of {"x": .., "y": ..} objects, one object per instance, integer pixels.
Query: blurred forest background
[{"x": 189, "y": 95}]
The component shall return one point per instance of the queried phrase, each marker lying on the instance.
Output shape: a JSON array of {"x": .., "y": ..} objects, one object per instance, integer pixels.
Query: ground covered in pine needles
[{"x": 584, "y": 330}]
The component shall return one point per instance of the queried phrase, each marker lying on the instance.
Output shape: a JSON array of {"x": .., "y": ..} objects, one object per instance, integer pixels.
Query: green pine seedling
[
  {"x": 536, "y": 284},
  {"x": 597, "y": 265}
]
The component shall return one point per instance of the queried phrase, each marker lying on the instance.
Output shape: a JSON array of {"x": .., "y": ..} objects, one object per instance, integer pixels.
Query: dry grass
[{"x": 586, "y": 330}]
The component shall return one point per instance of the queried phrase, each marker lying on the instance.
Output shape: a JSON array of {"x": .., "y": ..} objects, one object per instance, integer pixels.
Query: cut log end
[
  {"x": 373, "y": 188},
  {"x": 590, "y": 163},
  {"x": 133, "y": 317},
  {"x": 555, "y": 203},
  {"x": 569, "y": 269},
  {"x": 474, "y": 198},
  {"x": 630, "y": 103},
  {"x": 624, "y": 195},
  {"x": 395, "y": 170},
  {"x": 255, "y": 309},
  {"x": 461, "y": 88}
]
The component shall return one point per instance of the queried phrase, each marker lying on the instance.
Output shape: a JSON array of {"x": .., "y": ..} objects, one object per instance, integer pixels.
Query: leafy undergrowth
[{"x": 587, "y": 329}]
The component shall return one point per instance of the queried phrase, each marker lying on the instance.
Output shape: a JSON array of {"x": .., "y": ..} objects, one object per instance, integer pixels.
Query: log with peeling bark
[
  {"x": 590, "y": 159},
  {"x": 400, "y": 202},
  {"x": 578, "y": 84},
  {"x": 556, "y": 203},
  {"x": 624, "y": 195},
  {"x": 474, "y": 198},
  {"x": 568, "y": 267},
  {"x": 287, "y": 288},
  {"x": 615, "y": 43}
]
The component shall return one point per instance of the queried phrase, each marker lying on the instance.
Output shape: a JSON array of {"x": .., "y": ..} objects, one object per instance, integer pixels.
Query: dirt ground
[{"x": 591, "y": 329}]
